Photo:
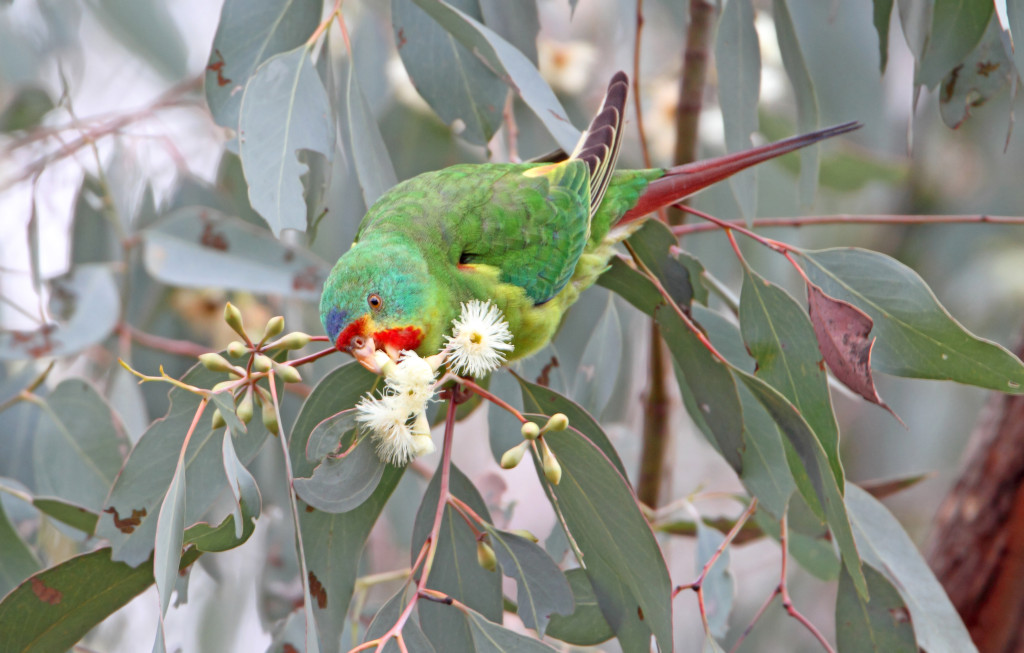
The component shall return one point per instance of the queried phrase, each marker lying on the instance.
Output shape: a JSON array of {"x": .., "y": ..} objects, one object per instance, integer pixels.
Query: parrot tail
[
  {"x": 599, "y": 145},
  {"x": 685, "y": 180}
]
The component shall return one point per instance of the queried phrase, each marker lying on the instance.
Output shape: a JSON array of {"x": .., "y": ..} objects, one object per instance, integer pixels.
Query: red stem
[
  {"x": 803, "y": 221},
  {"x": 784, "y": 590}
]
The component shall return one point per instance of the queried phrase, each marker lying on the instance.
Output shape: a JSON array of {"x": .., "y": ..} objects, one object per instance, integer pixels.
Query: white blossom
[
  {"x": 412, "y": 379},
  {"x": 480, "y": 336},
  {"x": 388, "y": 422},
  {"x": 409, "y": 385}
]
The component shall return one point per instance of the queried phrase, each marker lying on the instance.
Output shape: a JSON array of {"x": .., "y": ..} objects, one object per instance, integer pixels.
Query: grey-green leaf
[
  {"x": 599, "y": 366},
  {"x": 249, "y": 33},
  {"x": 341, "y": 484},
  {"x": 881, "y": 625},
  {"x": 489, "y": 637},
  {"x": 284, "y": 109},
  {"x": 170, "y": 533},
  {"x": 195, "y": 247},
  {"x": 886, "y": 546},
  {"x": 17, "y": 562},
  {"x": 982, "y": 74},
  {"x": 369, "y": 154},
  {"x": 542, "y": 588},
  {"x": 956, "y": 27},
  {"x": 585, "y": 626},
  {"x": 718, "y": 585},
  {"x": 917, "y": 337}
]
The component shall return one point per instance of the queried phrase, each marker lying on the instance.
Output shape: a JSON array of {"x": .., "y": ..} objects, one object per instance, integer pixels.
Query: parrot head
[{"x": 379, "y": 297}]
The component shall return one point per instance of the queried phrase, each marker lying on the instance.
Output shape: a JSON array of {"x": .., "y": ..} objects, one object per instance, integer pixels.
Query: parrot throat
[{"x": 397, "y": 339}]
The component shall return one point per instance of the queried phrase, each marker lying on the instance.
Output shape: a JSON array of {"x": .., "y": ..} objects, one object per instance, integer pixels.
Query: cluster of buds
[
  {"x": 534, "y": 435},
  {"x": 247, "y": 393},
  {"x": 397, "y": 418}
]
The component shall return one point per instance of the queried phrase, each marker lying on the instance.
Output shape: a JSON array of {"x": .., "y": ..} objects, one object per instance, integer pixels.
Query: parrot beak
[{"x": 364, "y": 355}]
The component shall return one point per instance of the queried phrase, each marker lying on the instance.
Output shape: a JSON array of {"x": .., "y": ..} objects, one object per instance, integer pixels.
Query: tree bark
[{"x": 977, "y": 545}]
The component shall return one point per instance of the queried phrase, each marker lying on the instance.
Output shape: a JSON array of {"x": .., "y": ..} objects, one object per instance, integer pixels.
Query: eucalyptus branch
[
  {"x": 847, "y": 218},
  {"x": 29, "y": 389},
  {"x": 787, "y": 602},
  {"x": 159, "y": 343}
]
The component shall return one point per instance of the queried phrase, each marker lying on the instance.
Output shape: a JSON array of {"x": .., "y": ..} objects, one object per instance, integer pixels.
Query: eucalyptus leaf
[
  {"x": 599, "y": 366},
  {"x": 170, "y": 533},
  {"x": 489, "y": 637},
  {"x": 341, "y": 484},
  {"x": 585, "y": 626},
  {"x": 370, "y": 156},
  {"x": 718, "y": 585},
  {"x": 982, "y": 75},
  {"x": 881, "y": 625},
  {"x": 388, "y": 615},
  {"x": 250, "y": 32},
  {"x": 284, "y": 109},
  {"x": 17, "y": 562},
  {"x": 917, "y": 337},
  {"x": 956, "y": 28}
]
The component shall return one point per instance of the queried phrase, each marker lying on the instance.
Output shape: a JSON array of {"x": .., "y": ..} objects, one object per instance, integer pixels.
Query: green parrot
[{"x": 528, "y": 237}]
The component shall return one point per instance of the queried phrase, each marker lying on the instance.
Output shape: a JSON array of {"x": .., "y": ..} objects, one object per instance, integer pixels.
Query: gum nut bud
[
  {"x": 215, "y": 362},
  {"x": 270, "y": 418},
  {"x": 295, "y": 340},
  {"x": 557, "y": 422},
  {"x": 262, "y": 363},
  {"x": 233, "y": 317},
  {"x": 422, "y": 445},
  {"x": 287, "y": 373},
  {"x": 275, "y": 326},
  {"x": 223, "y": 385},
  {"x": 244, "y": 408},
  {"x": 384, "y": 362},
  {"x": 237, "y": 349},
  {"x": 218, "y": 420},
  {"x": 513, "y": 456},
  {"x": 552, "y": 469},
  {"x": 525, "y": 534},
  {"x": 485, "y": 556},
  {"x": 530, "y": 431}
]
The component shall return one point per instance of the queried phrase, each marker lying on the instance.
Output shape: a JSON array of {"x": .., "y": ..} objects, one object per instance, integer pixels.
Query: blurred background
[{"x": 102, "y": 114}]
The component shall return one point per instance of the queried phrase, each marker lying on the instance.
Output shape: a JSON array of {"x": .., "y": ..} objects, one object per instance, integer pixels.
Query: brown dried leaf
[{"x": 843, "y": 333}]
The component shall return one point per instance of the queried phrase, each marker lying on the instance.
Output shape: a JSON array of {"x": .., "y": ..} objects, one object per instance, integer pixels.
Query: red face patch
[
  {"x": 401, "y": 338},
  {"x": 357, "y": 328}
]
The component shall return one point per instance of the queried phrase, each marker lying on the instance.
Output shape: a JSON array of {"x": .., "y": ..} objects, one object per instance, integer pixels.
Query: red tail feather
[{"x": 685, "y": 180}]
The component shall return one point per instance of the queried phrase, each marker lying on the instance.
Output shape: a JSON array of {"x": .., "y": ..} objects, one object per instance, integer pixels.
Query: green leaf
[
  {"x": 341, "y": 484},
  {"x": 881, "y": 625},
  {"x": 516, "y": 22},
  {"x": 129, "y": 519},
  {"x": 738, "y": 63},
  {"x": 369, "y": 153},
  {"x": 195, "y": 247},
  {"x": 718, "y": 585},
  {"x": 170, "y": 532},
  {"x": 538, "y": 399},
  {"x": 780, "y": 337},
  {"x": 956, "y": 28},
  {"x": 77, "y": 447},
  {"x": 86, "y": 305},
  {"x": 983, "y": 74},
  {"x": 333, "y": 542},
  {"x": 585, "y": 626},
  {"x": 882, "y": 16},
  {"x": 489, "y": 637},
  {"x": 75, "y": 516},
  {"x": 819, "y": 488},
  {"x": 917, "y": 337},
  {"x": 26, "y": 109},
  {"x": 248, "y": 34},
  {"x": 654, "y": 245},
  {"x": 766, "y": 473},
  {"x": 619, "y": 553},
  {"x": 806, "y": 97},
  {"x": 17, "y": 562},
  {"x": 509, "y": 64},
  {"x": 453, "y": 81},
  {"x": 455, "y": 571},
  {"x": 599, "y": 365},
  {"x": 885, "y": 546},
  {"x": 284, "y": 109},
  {"x": 631, "y": 285},
  {"x": 146, "y": 27},
  {"x": 1015, "y": 22},
  {"x": 248, "y": 502},
  {"x": 542, "y": 588}
]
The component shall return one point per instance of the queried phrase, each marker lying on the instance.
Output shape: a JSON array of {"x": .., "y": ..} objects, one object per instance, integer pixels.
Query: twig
[
  {"x": 843, "y": 218},
  {"x": 27, "y": 391},
  {"x": 757, "y": 617},
  {"x": 159, "y": 343},
  {"x": 484, "y": 394},
  {"x": 730, "y": 536},
  {"x": 787, "y": 602}
]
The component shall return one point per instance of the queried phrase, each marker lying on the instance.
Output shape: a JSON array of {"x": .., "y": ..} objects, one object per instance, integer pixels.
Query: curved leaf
[
  {"x": 369, "y": 153},
  {"x": 917, "y": 337},
  {"x": 248, "y": 34},
  {"x": 284, "y": 109},
  {"x": 17, "y": 562},
  {"x": 585, "y": 626},
  {"x": 341, "y": 484},
  {"x": 881, "y": 625},
  {"x": 956, "y": 27},
  {"x": 198, "y": 247},
  {"x": 489, "y": 637}
]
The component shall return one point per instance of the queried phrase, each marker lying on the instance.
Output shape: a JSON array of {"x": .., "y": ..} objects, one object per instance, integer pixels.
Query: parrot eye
[{"x": 375, "y": 301}]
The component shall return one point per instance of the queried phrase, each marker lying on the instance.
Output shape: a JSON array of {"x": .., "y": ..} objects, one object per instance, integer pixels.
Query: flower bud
[
  {"x": 217, "y": 421},
  {"x": 244, "y": 409},
  {"x": 270, "y": 418},
  {"x": 523, "y": 533},
  {"x": 552, "y": 469},
  {"x": 275, "y": 326},
  {"x": 233, "y": 317},
  {"x": 557, "y": 422},
  {"x": 237, "y": 349},
  {"x": 422, "y": 445},
  {"x": 262, "y": 363},
  {"x": 530, "y": 431},
  {"x": 287, "y": 373},
  {"x": 294, "y": 340},
  {"x": 485, "y": 556},
  {"x": 513, "y": 456},
  {"x": 215, "y": 362}
]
